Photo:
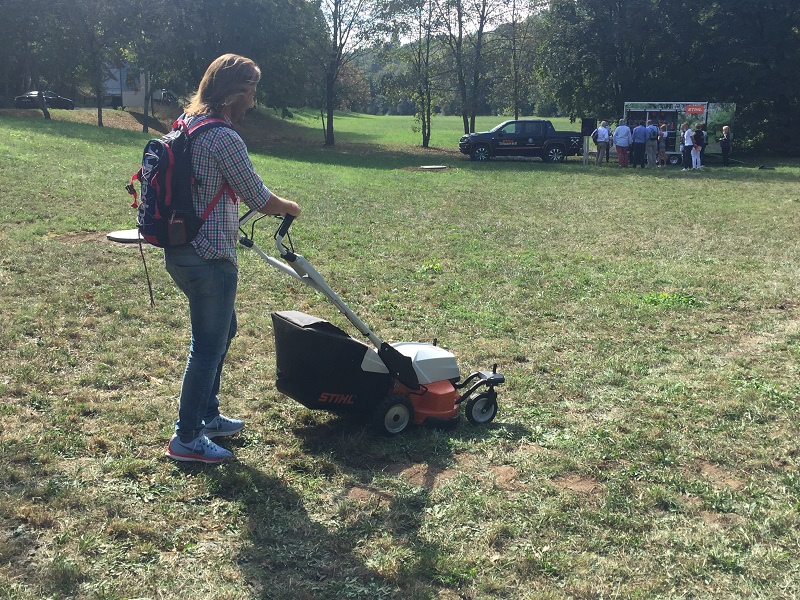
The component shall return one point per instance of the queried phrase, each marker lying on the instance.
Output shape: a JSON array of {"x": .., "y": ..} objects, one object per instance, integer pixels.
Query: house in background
[{"x": 125, "y": 86}]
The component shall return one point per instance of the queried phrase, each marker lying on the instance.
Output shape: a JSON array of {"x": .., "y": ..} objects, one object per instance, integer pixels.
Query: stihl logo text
[{"x": 337, "y": 398}]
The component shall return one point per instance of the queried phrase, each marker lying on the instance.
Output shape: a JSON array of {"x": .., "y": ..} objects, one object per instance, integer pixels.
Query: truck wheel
[
  {"x": 481, "y": 409},
  {"x": 554, "y": 154},
  {"x": 674, "y": 159},
  {"x": 393, "y": 415},
  {"x": 481, "y": 152}
]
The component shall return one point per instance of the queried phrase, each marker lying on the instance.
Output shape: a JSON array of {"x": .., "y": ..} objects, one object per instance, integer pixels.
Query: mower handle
[
  {"x": 399, "y": 365},
  {"x": 284, "y": 228},
  {"x": 286, "y": 222}
]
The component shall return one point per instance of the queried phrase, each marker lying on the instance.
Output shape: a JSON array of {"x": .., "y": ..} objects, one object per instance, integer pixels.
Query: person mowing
[{"x": 205, "y": 270}]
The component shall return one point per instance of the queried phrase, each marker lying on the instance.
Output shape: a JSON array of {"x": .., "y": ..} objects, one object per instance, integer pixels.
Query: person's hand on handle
[{"x": 280, "y": 206}]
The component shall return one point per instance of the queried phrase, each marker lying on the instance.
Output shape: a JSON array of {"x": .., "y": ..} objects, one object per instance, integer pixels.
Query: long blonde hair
[{"x": 227, "y": 78}]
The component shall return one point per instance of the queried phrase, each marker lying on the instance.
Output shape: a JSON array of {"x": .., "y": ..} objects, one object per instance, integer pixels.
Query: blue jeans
[{"x": 210, "y": 286}]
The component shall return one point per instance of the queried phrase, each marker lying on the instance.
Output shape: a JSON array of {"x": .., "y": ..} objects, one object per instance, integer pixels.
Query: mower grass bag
[{"x": 321, "y": 366}]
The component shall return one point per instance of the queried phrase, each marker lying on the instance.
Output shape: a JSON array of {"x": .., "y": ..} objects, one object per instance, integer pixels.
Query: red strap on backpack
[
  {"x": 225, "y": 188},
  {"x": 132, "y": 190},
  {"x": 193, "y": 130}
]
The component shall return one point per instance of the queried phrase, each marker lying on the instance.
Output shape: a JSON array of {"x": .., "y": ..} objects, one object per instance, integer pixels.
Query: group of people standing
[
  {"x": 646, "y": 144},
  {"x": 694, "y": 142}
]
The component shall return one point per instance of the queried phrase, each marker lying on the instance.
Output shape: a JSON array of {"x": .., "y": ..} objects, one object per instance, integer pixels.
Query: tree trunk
[
  {"x": 146, "y": 101},
  {"x": 330, "y": 104},
  {"x": 462, "y": 87},
  {"x": 99, "y": 99},
  {"x": 426, "y": 125}
]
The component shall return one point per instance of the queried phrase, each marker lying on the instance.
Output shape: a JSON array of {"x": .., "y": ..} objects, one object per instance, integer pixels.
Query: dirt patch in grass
[
  {"x": 751, "y": 344},
  {"x": 431, "y": 477},
  {"x": 130, "y": 120},
  {"x": 422, "y": 475},
  {"x": 506, "y": 477},
  {"x": 367, "y": 494},
  {"x": 578, "y": 484},
  {"x": 719, "y": 477},
  {"x": 713, "y": 474},
  {"x": 723, "y": 520}
]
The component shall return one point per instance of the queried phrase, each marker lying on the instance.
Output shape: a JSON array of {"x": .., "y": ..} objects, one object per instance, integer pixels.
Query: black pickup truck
[{"x": 525, "y": 137}]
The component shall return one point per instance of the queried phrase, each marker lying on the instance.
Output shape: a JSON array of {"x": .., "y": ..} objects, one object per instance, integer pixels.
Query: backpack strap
[
  {"x": 195, "y": 130},
  {"x": 217, "y": 197},
  {"x": 132, "y": 190},
  {"x": 204, "y": 124},
  {"x": 199, "y": 127}
]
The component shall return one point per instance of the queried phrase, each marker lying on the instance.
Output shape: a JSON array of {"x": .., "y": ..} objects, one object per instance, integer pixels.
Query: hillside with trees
[{"x": 423, "y": 57}]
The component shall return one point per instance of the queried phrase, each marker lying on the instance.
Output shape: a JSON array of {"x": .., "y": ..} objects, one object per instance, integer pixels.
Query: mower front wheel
[
  {"x": 393, "y": 415},
  {"x": 481, "y": 409}
]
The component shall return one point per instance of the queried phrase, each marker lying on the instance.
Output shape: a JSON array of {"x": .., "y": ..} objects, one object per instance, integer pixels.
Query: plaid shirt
[{"x": 219, "y": 155}]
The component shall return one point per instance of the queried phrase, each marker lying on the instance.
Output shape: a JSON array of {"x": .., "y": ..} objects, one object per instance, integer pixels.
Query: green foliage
[
  {"x": 576, "y": 58},
  {"x": 594, "y": 55}
]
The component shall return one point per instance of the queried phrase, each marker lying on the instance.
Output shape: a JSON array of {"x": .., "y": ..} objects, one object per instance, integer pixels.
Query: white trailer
[{"x": 122, "y": 90}]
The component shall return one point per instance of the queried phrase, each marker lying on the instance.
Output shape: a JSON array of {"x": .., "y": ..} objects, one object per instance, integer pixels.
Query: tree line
[{"x": 424, "y": 57}]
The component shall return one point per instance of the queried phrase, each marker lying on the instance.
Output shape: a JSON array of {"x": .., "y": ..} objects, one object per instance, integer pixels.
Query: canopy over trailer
[{"x": 672, "y": 114}]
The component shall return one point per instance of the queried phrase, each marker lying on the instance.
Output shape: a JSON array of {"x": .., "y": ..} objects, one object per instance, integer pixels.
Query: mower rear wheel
[
  {"x": 393, "y": 415},
  {"x": 481, "y": 409}
]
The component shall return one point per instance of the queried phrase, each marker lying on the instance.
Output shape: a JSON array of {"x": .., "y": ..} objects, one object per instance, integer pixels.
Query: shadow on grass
[
  {"x": 404, "y": 472},
  {"x": 366, "y": 156},
  {"x": 155, "y": 125},
  {"x": 290, "y": 556}
]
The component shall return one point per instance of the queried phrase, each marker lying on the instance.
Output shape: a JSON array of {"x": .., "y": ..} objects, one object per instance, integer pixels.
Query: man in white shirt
[{"x": 603, "y": 134}]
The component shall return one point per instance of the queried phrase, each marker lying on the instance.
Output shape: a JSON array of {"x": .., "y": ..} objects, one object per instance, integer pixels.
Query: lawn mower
[{"x": 393, "y": 385}]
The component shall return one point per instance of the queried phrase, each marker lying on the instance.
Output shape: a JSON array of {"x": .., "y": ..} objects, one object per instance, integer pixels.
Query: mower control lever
[{"x": 286, "y": 254}]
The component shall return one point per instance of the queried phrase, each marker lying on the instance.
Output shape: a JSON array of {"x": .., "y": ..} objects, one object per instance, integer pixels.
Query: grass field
[{"x": 647, "y": 322}]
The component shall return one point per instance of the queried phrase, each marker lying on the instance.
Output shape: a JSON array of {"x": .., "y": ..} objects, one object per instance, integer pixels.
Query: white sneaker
[{"x": 200, "y": 449}]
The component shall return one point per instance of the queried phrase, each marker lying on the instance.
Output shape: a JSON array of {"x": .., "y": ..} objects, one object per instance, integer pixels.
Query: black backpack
[{"x": 166, "y": 214}]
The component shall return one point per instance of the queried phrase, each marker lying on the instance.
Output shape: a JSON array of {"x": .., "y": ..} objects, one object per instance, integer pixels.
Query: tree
[
  {"x": 419, "y": 22},
  {"x": 753, "y": 49},
  {"x": 421, "y": 62},
  {"x": 464, "y": 25},
  {"x": 453, "y": 22},
  {"x": 39, "y": 51},
  {"x": 593, "y": 55},
  {"x": 518, "y": 38},
  {"x": 94, "y": 21},
  {"x": 350, "y": 24}
]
